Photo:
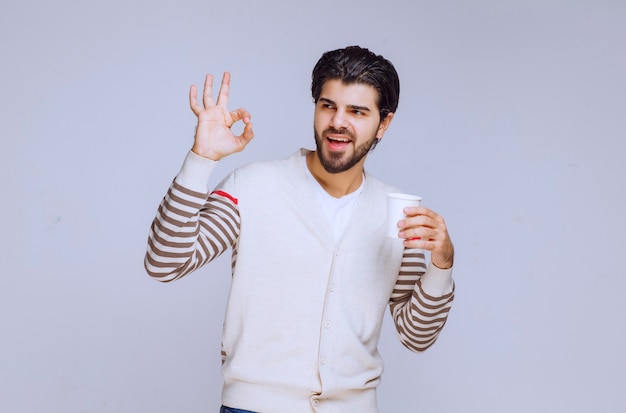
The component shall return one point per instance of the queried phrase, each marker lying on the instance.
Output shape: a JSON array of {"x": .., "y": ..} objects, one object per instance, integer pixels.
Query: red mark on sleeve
[{"x": 226, "y": 195}]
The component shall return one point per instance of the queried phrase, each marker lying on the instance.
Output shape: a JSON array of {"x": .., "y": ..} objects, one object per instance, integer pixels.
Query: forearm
[
  {"x": 421, "y": 301},
  {"x": 191, "y": 228}
]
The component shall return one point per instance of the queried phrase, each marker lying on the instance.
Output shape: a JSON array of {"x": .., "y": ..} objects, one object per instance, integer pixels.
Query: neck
[{"x": 339, "y": 184}]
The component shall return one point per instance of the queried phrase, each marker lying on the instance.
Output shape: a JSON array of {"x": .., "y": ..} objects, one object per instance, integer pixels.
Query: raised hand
[{"x": 214, "y": 137}]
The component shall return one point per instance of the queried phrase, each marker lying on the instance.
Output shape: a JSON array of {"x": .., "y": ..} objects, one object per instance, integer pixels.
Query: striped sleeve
[
  {"x": 189, "y": 230},
  {"x": 418, "y": 316}
]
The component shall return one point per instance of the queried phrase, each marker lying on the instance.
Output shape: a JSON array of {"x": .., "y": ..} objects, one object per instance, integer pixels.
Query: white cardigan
[{"x": 304, "y": 313}]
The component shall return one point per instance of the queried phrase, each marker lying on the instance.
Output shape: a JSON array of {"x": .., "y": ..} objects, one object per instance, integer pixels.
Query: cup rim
[{"x": 399, "y": 195}]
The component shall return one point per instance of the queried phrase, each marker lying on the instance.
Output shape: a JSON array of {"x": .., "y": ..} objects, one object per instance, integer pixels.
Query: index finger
[
  {"x": 207, "y": 98},
  {"x": 419, "y": 210},
  {"x": 222, "y": 97}
]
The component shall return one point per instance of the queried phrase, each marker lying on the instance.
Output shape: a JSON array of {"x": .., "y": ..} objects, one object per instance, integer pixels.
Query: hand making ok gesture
[{"x": 214, "y": 137}]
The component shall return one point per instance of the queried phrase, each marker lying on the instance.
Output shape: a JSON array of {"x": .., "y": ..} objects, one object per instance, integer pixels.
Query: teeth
[{"x": 340, "y": 139}]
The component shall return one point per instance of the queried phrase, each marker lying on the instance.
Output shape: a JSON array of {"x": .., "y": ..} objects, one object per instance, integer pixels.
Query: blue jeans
[{"x": 226, "y": 409}]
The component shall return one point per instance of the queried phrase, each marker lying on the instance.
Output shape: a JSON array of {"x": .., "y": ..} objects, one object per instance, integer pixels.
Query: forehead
[{"x": 358, "y": 94}]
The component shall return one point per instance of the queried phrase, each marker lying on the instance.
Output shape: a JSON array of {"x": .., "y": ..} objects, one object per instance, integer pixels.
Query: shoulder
[
  {"x": 268, "y": 172},
  {"x": 259, "y": 169},
  {"x": 376, "y": 186}
]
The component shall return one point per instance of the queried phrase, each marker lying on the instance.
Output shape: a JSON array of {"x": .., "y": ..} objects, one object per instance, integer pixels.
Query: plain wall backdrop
[{"x": 511, "y": 124}]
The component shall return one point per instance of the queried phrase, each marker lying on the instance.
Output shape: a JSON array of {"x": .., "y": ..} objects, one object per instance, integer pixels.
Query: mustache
[{"x": 331, "y": 131}]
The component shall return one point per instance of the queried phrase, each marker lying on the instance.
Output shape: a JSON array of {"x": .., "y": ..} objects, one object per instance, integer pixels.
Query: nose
[{"x": 339, "y": 120}]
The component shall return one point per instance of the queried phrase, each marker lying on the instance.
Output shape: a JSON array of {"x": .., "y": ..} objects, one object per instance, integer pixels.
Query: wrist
[
  {"x": 443, "y": 266},
  {"x": 213, "y": 156},
  {"x": 443, "y": 263}
]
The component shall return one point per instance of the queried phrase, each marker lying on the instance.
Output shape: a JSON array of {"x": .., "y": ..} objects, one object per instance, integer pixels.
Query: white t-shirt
[{"x": 338, "y": 211}]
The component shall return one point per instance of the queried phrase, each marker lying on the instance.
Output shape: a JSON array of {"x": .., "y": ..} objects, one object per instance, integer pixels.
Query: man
[{"x": 312, "y": 268}]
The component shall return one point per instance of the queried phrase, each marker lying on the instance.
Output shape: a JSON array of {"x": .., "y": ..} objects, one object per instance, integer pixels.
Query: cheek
[
  {"x": 369, "y": 131},
  {"x": 318, "y": 128},
  {"x": 320, "y": 122}
]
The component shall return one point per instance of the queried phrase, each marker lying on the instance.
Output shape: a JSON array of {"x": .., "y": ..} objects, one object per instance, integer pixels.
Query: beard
[{"x": 337, "y": 162}]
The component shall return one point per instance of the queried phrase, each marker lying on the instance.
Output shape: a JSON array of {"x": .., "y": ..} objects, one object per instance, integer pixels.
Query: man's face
[{"x": 346, "y": 123}]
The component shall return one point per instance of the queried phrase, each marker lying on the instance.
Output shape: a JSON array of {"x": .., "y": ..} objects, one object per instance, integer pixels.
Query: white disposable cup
[{"x": 395, "y": 206}]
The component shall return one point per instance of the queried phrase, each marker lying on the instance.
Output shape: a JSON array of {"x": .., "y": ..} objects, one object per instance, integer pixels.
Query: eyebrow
[{"x": 354, "y": 107}]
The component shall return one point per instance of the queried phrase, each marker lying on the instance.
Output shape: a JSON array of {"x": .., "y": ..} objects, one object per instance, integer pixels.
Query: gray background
[{"x": 511, "y": 125}]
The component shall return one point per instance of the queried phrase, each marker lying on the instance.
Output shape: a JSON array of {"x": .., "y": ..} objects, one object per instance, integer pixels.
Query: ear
[{"x": 384, "y": 124}]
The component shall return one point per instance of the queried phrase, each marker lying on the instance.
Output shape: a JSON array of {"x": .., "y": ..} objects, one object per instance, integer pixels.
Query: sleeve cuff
[
  {"x": 195, "y": 172},
  {"x": 437, "y": 282}
]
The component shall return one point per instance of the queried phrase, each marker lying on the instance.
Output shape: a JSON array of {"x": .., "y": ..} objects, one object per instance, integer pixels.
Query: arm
[
  {"x": 422, "y": 297},
  {"x": 420, "y": 301},
  {"x": 191, "y": 228}
]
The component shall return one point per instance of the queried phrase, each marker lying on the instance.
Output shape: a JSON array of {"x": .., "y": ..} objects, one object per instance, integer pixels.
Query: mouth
[{"x": 337, "y": 141}]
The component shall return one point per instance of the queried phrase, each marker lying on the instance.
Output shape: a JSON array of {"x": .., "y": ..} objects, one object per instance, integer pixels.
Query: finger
[
  {"x": 207, "y": 96},
  {"x": 247, "y": 133},
  {"x": 193, "y": 100},
  {"x": 413, "y": 234},
  {"x": 417, "y": 221},
  {"x": 425, "y": 238},
  {"x": 243, "y": 115},
  {"x": 419, "y": 243},
  {"x": 240, "y": 114},
  {"x": 419, "y": 210},
  {"x": 222, "y": 97}
]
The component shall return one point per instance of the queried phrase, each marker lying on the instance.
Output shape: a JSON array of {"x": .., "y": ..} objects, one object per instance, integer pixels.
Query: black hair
[{"x": 355, "y": 64}]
